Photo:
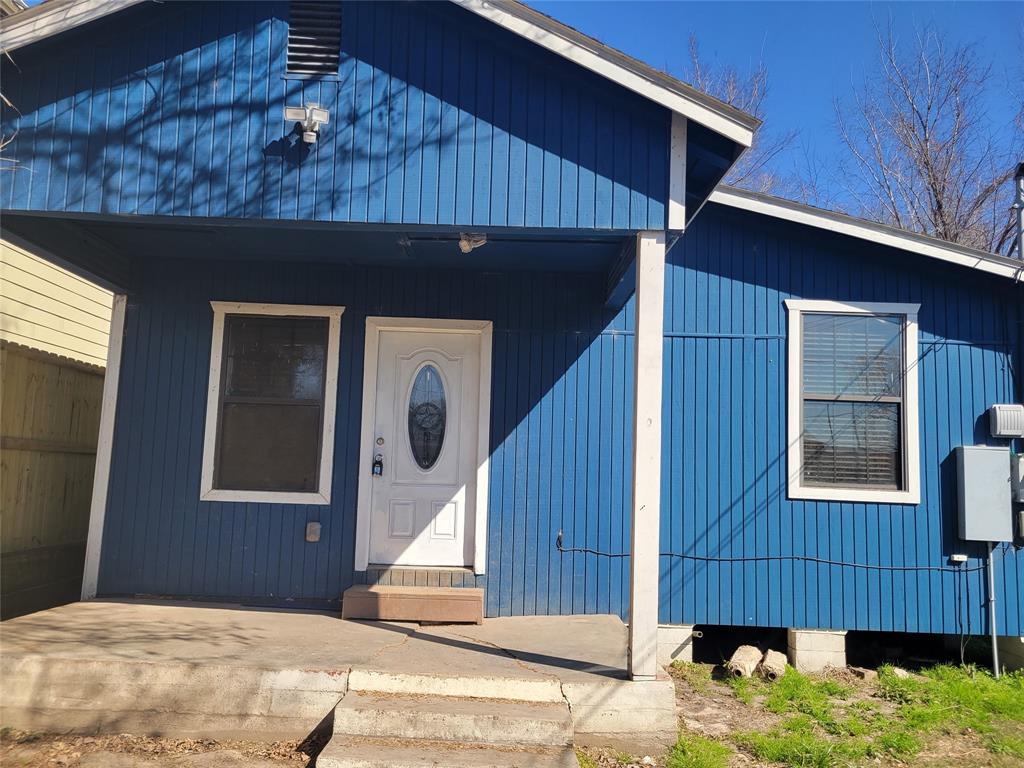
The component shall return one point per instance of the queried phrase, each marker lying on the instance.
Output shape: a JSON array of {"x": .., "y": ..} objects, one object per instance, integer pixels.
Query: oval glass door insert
[{"x": 427, "y": 416}]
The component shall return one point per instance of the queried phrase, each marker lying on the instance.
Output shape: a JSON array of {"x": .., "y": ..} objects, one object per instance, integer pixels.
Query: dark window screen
[
  {"x": 852, "y": 400},
  {"x": 272, "y": 403}
]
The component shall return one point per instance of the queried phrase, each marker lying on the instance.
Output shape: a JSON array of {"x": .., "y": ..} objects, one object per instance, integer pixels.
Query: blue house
[{"x": 448, "y": 295}]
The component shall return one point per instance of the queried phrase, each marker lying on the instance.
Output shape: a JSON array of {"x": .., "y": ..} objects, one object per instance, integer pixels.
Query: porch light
[
  {"x": 468, "y": 241},
  {"x": 310, "y": 117}
]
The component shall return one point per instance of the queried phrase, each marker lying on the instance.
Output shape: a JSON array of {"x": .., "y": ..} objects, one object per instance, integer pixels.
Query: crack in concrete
[
  {"x": 519, "y": 662},
  {"x": 389, "y": 647}
]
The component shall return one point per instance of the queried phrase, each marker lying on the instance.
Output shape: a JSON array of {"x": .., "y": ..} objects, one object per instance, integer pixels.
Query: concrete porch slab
[{"x": 231, "y": 672}]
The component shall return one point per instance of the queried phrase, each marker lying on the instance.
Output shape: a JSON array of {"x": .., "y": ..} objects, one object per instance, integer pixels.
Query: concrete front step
[
  {"x": 542, "y": 689},
  {"x": 444, "y": 718},
  {"x": 394, "y": 603},
  {"x": 399, "y": 753}
]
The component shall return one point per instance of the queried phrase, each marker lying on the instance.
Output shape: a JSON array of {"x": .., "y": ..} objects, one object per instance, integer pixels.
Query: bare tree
[
  {"x": 5, "y": 103},
  {"x": 924, "y": 154},
  {"x": 747, "y": 92}
]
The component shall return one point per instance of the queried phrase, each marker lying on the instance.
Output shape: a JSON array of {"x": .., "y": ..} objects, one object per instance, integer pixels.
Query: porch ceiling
[{"x": 103, "y": 246}]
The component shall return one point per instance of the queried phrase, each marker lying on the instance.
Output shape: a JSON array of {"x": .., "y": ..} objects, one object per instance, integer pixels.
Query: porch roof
[{"x": 103, "y": 247}]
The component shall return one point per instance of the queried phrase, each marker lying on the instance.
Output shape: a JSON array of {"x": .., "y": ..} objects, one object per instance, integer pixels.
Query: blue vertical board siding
[
  {"x": 437, "y": 117},
  {"x": 559, "y": 359},
  {"x": 724, "y": 463}
]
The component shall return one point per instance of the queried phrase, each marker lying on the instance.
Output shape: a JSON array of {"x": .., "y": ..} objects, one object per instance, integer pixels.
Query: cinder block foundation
[
  {"x": 811, "y": 650},
  {"x": 1011, "y": 652},
  {"x": 675, "y": 643}
]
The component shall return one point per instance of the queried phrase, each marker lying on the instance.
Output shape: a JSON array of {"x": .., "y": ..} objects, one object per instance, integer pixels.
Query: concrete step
[
  {"x": 399, "y": 753},
  {"x": 401, "y": 603},
  {"x": 444, "y": 718},
  {"x": 547, "y": 689}
]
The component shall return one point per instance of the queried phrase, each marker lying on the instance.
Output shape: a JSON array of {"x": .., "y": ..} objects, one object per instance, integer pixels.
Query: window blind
[{"x": 852, "y": 385}]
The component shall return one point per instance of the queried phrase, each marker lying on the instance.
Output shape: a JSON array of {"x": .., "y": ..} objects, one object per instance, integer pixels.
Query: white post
[
  {"x": 650, "y": 309},
  {"x": 677, "y": 175},
  {"x": 104, "y": 449}
]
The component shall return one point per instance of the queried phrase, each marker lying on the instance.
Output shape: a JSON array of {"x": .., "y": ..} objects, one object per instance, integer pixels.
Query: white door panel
[{"x": 425, "y": 433}]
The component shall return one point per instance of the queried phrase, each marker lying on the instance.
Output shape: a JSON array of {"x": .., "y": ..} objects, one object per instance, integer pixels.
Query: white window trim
[
  {"x": 910, "y": 428},
  {"x": 364, "y": 513},
  {"x": 323, "y": 494}
]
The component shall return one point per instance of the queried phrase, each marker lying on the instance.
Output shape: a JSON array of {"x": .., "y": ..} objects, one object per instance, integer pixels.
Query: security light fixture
[
  {"x": 470, "y": 240},
  {"x": 310, "y": 117}
]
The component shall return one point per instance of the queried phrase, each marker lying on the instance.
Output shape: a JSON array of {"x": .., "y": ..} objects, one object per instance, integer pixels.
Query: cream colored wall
[{"x": 47, "y": 308}]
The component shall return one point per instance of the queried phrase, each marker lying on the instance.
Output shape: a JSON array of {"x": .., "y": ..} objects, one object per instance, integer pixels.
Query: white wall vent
[
  {"x": 314, "y": 37},
  {"x": 1006, "y": 420}
]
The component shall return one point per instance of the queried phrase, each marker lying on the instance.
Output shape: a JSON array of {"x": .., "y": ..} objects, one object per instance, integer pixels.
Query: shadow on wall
[{"x": 202, "y": 132}]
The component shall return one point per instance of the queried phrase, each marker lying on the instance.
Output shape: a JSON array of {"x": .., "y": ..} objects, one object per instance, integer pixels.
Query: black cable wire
[{"x": 777, "y": 558}]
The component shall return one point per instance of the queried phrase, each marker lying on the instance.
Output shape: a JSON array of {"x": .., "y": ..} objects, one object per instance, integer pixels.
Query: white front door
[{"x": 426, "y": 412}]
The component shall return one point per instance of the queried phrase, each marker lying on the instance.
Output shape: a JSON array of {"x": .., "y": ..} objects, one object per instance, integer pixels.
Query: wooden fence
[{"x": 49, "y": 421}]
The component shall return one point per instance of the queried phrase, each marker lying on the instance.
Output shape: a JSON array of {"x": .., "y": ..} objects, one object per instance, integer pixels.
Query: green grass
[
  {"x": 957, "y": 700},
  {"x": 794, "y": 692},
  {"x": 585, "y": 760},
  {"x": 803, "y": 748},
  {"x": 745, "y": 688},
  {"x": 823, "y": 726},
  {"x": 693, "y": 751}
]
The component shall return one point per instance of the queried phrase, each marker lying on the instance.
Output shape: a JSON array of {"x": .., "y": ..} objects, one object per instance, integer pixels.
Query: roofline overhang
[
  {"x": 630, "y": 73},
  {"x": 56, "y": 16},
  {"x": 870, "y": 231},
  {"x": 52, "y": 18}
]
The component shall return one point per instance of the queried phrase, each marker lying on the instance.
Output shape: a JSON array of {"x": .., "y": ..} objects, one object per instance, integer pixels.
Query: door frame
[{"x": 375, "y": 325}]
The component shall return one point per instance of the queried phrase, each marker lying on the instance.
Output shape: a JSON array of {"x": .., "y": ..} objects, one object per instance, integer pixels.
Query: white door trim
[{"x": 374, "y": 326}]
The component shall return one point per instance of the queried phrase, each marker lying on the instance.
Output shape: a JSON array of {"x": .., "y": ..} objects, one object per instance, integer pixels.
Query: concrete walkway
[{"x": 225, "y": 671}]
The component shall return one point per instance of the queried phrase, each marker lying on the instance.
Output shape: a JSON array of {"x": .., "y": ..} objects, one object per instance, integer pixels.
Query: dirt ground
[{"x": 22, "y": 750}]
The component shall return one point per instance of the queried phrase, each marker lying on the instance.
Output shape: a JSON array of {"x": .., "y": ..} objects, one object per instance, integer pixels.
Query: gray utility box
[{"x": 983, "y": 489}]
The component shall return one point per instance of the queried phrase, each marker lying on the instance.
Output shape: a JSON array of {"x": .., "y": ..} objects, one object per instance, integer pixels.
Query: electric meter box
[{"x": 983, "y": 490}]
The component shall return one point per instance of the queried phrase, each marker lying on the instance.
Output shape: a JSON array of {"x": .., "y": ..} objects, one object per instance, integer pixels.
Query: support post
[
  {"x": 646, "y": 512},
  {"x": 104, "y": 450}
]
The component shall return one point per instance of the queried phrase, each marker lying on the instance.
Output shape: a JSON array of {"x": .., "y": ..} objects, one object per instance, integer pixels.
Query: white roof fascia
[
  {"x": 595, "y": 58},
  {"x": 871, "y": 231},
  {"x": 54, "y": 17}
]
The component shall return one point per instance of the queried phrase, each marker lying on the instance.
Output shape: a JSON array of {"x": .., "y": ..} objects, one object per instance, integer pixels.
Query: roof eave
[
  {"x": 634, "y": 75},
  {"x": 871, "y": 231},
  {"x": 52, "y": 18}
]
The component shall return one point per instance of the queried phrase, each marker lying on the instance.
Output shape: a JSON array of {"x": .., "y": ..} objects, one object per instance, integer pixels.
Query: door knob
[{"x": 378, "y": 465}]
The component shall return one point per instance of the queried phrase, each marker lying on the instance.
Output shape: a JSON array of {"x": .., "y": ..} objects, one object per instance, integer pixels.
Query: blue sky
[{"x": 814, "y": 52}]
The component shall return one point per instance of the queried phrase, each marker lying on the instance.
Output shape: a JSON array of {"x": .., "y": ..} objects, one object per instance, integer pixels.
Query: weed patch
[
  {"x": 692, "y": 751},
  {"x": 745, "y": 688}
]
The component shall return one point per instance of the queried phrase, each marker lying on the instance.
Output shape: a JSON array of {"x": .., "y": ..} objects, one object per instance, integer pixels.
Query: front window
[
  {"x": 273, "y": 373},
  {"x": 852, "y": 400}
]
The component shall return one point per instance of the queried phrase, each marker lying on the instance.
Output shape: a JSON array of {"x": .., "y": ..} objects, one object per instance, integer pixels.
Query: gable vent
[{"x": 314, "y": 37}]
